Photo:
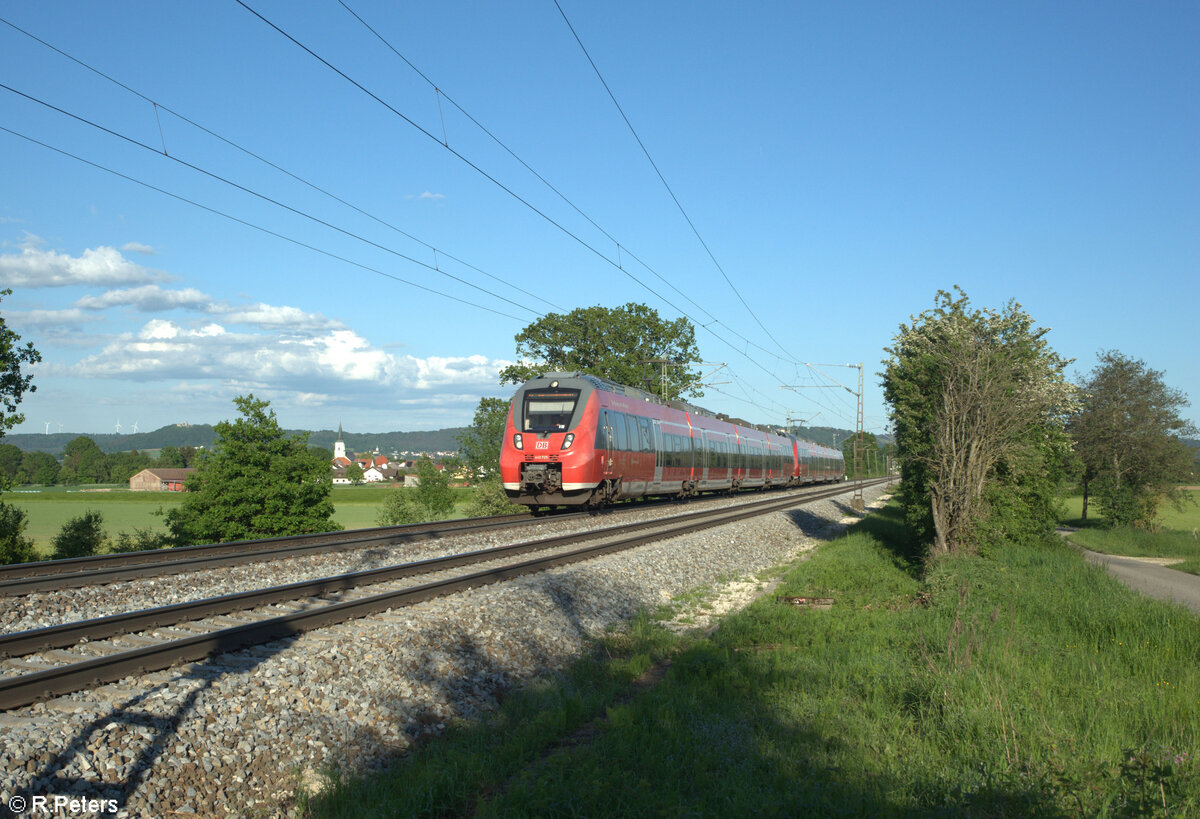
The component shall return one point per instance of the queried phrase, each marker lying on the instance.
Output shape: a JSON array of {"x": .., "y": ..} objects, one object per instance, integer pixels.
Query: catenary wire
[
  {"x": 260, "y": 228},
  {"x": 663, "y": 179},
  {"x": 157, "y": 105},
  {"x": 266, "y": 198},
  {"x": 432, "y": 137},
  {"x": 441, "y": 93}
]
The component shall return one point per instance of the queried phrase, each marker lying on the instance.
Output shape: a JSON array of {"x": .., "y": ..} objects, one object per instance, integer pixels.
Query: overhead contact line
[{"x": 157, "y": 105}]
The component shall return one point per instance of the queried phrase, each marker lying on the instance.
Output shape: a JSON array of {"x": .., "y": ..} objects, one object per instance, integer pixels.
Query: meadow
[
  {"x": 1177, "y": 535},
  {"x": 47, "y": 509}
]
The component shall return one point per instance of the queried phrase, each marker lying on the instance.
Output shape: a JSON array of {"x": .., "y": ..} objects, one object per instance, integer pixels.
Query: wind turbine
[
  {"x": 48, "y": 427},
  {"x": 135, "y": 427},
  {"x": 118, "y": 426}
]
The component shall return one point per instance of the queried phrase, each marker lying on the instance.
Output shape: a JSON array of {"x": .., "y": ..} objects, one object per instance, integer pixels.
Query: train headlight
[
  {"x": 570, "y": 439},
  {"x": 517, "y": 442}
]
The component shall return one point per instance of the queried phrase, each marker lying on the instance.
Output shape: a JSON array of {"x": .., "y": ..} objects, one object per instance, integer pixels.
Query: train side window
[
  {"x": 602, "y": 437},
  {"x": 618, "y": 425},
  {"x": 646, "y": 442}
]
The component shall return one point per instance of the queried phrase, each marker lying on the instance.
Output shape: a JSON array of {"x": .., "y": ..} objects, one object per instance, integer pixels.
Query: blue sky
[{"x": 841, "y": 161}]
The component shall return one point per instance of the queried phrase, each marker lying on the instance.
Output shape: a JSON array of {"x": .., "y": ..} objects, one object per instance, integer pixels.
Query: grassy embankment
[
  {"x": 1177, "y": 537},
  {"x": 355, "y": 507},
  {"x": 1020, "y": 683}
]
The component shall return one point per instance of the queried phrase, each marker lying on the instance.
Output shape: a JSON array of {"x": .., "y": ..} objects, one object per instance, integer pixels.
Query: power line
[
  {"x": 265, "y": 198},
  {"x": 260, "y": 228},
  {"x": 495, "y": 181},
  {"x": 663, "y": 179},
  {"x": 265, "y": 161},
  {"x": 441, "y": 94}
]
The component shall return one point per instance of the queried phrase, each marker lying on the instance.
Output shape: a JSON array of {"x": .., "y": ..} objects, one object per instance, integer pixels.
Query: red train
[{"x": 575, "y": 439}]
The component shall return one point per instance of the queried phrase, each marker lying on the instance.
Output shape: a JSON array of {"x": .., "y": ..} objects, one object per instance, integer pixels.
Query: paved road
[{"x": 1154, "y": 580}]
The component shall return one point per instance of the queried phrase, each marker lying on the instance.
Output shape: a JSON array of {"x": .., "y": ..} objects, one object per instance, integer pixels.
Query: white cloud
[
  {"x": 138, "y": 247},
  {"x": 149, "y": 298},
  {"x": 48, "y": 318},
  {"x": 267, "y": 317},
  {"x": 428, "y": 195},
  {"x": 101, "y": 266},
  {"x": 337, "y": 362}
]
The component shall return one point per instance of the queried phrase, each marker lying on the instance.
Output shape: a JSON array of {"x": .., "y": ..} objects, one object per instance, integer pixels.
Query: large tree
[
  {"x": 1127, "y": 435},
  {"x": 255, "y": 482},
  {"x": 980, "y": 403},
  {"x": 479, "y": 444},
  {"x": 631, "y": 345},
  {"x": 14, "y": 383}
]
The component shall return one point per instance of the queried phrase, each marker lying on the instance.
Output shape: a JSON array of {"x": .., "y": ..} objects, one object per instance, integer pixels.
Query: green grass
[
  {"x": 1186, "y": 519},
  {"x": 1178, "y": 535},
  {"x": 355, "y": 507},
  {"x": 1023, "y": 683}
]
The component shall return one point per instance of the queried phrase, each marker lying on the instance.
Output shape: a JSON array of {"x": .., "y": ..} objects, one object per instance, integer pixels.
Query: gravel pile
[{"x": 239, "y": 733}]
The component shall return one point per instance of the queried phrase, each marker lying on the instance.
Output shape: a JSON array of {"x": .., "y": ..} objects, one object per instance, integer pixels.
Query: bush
[
  {"x": 488, "y": 498},
  {"x": 80, "y": 536},
  {"x": 140, "y": 540},
  {"x": 431, "y": 499},
  {"x": 14, "y": 546}
]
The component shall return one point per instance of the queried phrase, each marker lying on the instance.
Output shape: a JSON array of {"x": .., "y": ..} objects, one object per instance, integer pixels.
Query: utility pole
[{"x": 856, "y": 502}]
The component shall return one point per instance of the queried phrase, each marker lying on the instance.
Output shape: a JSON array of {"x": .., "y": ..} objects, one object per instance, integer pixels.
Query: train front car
[{"x": 548, "y": 457}]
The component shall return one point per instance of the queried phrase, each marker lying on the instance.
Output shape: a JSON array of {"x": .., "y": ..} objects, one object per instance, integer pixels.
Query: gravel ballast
[{"x": 239, "y": 733}]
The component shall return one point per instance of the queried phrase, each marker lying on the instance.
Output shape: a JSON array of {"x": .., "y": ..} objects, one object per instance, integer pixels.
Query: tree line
[{"x": 83, "y": 462}]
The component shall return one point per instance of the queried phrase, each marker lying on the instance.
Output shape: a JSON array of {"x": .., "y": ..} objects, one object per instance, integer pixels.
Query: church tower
[{"x": 339, "y": 446}]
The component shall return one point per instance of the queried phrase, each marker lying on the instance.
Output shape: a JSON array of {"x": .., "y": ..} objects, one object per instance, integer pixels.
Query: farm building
[{"x": 160, "y": 480}]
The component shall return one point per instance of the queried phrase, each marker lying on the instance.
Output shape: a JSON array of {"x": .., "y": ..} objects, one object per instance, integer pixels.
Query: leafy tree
[
  {"x": 479, "y": 444},
  {"x": 431, "y": 499},
  {"x": 867, "y": 454},
  {"x": 614, "y": 343},
  {"x": 80, "y": 536},
  {"x": 124, "y": 465},
  {"x": 980, "y": 405},
  {"x": 14, "y": 546},
  {"x": 169, "y": 457},
  {"x": 14, "y": 383},
  {"x": 1127, "y": 437},
  {"x": 38, "y": 467},
  {"x": 354, "y": 473},
  {"x": 84, "y": 462},
  {"x": 256, "y": 482},
  {"x": 10, "y": 462}
]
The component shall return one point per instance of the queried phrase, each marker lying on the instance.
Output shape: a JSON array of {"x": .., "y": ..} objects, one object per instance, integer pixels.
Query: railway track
[
  {"x": 52, "y": 575},
  {"x": 158, "y": 638}
]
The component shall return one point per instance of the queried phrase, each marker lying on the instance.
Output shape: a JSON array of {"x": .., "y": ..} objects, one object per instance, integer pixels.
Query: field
[
  {"x": 1178, "y": 535},
  {"x": 355, "y": 507},
  {"x": 1023, "y": 683}
]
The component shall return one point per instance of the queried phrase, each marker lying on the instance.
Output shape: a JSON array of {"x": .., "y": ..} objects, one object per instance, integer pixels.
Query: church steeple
[{"x": 339, "y": 446}]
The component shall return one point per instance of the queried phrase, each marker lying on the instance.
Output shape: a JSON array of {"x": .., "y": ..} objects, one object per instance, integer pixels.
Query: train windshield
[{"x": 549, "y": 410}]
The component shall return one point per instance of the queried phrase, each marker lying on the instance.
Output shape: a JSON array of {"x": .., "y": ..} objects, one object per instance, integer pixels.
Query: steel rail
[
  {"x": 16, "y": 644},
  {"x": 27, "y": 688},
  {"x": 52, "y": 575}
]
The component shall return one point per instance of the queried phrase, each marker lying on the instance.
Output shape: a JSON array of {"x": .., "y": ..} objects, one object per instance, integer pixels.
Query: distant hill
[{"x": 202, "y": 435}]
